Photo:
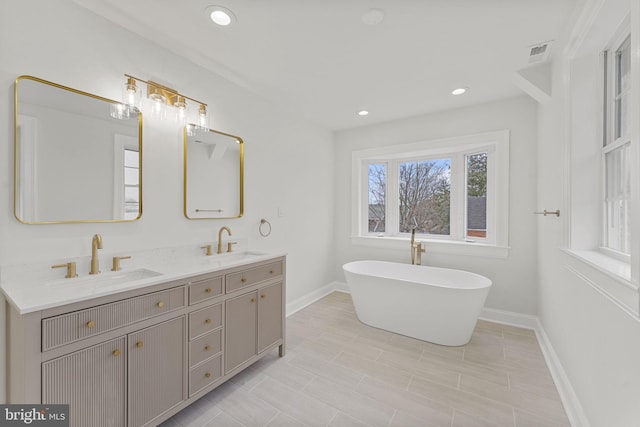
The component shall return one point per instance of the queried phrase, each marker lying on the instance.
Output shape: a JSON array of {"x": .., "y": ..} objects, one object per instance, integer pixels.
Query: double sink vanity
[{"x": 135, "y": 346}]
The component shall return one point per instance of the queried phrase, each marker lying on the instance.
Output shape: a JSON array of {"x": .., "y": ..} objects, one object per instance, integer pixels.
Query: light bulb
[
  {"x": 181, "y": 110},
  {"x": 131, "y": 96},
  {"x": 220, "y": 15},
  {"x": 203, "y": 119}
]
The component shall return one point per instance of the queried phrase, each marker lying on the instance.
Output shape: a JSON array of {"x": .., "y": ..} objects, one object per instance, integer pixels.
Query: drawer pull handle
[
  {"x": 253, "y": 300},
  {"x": 263, "y": 296},
  {"x": 139, "y": 344},
  {"x": 116, "y": 352},
  {"x": 207, "y": 375},
  {"x": 207, "y": 321},
  {"x": 91, "y": 324},
  {"x": 208, "y": 290},
  {"x": 243, "y": 280},
  {"x": 270, "y": 271},
  {"x": 161, "y": 304},
  {"x": 207, "y": 347}
]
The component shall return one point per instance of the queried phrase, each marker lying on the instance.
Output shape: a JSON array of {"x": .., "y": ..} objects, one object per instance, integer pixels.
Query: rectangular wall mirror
[
  {"x": 77, "y": 157},
  {"x": 213, "y": 175}
]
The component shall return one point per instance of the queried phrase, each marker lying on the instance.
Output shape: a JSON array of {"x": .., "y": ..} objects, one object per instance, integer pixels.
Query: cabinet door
[
  {"x": 156, "y": 370},
  {"x": 269, "y": 315},
  {"x": 92, "y": 381},
  {"x": 240, "y": 330}
]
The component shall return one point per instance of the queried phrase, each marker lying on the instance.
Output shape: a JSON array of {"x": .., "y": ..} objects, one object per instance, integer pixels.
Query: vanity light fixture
[
  {"x": 161, "y": 98},
  {"x": 220, "y": 15}
]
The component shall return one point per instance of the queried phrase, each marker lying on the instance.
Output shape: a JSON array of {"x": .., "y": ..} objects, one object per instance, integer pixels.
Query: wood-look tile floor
[{"x": 339, "y": 372}]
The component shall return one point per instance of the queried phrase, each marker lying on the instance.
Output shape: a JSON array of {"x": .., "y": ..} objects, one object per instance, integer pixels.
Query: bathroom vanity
[{"x": 138, "y": 355}]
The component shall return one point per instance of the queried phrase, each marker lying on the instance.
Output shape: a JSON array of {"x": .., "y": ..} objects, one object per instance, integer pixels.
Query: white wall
[
  {"x": 514, "y": 278},
  {"x": 595, "y": 340},
  {"x": 288, "y": 160}
]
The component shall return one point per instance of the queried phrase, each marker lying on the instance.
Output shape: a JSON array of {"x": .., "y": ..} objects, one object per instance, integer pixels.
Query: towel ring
[{"x": 264, "y": 233}]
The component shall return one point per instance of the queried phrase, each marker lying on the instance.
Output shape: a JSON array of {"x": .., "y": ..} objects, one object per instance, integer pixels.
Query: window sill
[
  {"x": 619, "y": 289},
  {"x": 435, "y": 246}
]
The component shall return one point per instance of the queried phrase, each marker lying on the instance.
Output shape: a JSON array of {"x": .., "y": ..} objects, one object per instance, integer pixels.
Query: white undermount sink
[
  {"x": 222, "y": 260},
  {"x": 107, "y": 279}
]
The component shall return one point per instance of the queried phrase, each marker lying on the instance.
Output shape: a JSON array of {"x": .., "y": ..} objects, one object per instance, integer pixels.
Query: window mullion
[
  {"x": 457, "y": 197},
  {"x": 393, "y": 197}
]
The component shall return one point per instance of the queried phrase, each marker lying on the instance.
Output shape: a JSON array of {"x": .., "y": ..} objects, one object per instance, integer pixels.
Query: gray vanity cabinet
[
  {"x": 95, "y": 384},
  {"x": 137, "y": 357},
  {"x": 156, "y": 370},
  {"x": 92, "y": 381},
  {"x": 254, "y": 322}
]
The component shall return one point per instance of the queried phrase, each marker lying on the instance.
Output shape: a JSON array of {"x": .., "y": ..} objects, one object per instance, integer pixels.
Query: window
[
  {"x": 476, "y": 179},
  {"x": 126, "y": 186},
  {"x": 616, "y": 148},
  {"x": 131, "y": 200},
  {"x": 452, "y": 190}
]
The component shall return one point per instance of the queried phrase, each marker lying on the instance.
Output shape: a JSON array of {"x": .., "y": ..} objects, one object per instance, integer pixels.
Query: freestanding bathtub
[{"x": 433, "y": 304}]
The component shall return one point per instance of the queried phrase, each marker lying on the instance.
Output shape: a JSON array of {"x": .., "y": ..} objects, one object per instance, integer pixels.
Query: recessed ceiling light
[
  {"x": 363, "y": 112},
  {"x": 373, "y": 16},
  {"x": 459, "y": 91},
  {"x": 220, "y": 15}
]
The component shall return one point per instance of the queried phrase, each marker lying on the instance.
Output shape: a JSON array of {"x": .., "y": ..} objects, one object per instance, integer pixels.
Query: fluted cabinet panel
[
  {"x": 240, "y": 330},
  {"x": 67, "y": 328},
  {"x": 156, "y": 370},
  {"x": 92, "y": 381}
]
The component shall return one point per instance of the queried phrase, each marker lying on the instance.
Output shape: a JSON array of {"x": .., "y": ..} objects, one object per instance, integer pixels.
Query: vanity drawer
[
  {"x": 205, "y": 374},
  {"x": 67, "y": 328},
  {"x": 204, "y": 347},
  {"x": 203, "y": 290},
  {"x": 205, "y": 320},
  {"x": 252, "y": 276}
]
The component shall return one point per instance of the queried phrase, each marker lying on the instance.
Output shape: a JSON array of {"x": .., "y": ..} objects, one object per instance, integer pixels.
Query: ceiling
[{"x": 319, "y": 57}]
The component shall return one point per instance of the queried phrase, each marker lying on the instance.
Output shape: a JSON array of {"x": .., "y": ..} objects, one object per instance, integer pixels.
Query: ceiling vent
[{"x": 539, "y": 52}]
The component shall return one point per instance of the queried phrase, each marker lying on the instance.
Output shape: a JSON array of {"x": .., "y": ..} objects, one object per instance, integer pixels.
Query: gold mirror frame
[
  {"x": 240, "y": 181},
  {"x": 16, "y": 162}
]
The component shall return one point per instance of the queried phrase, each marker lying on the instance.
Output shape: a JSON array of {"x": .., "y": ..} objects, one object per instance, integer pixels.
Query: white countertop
[{"x": 30, "y": 287}]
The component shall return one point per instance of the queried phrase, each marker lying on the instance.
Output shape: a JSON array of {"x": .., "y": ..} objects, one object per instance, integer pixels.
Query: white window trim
[
  {"x": 497, "y": 213},
  {"x": 612, "y": 276}
]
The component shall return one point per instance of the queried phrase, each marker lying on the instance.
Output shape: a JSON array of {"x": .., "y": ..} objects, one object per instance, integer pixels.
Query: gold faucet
[
  {"x": 416, "y": 249},
  {"x": 220, "y": 237},
  {"x": 96, "y": 243}
]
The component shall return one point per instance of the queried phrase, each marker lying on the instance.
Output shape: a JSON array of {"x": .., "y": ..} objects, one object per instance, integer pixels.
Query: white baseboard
[
  {"x": 310, "y": 298},
  {"x": 572, "y": 405},
  {"x": 526, "y": 321},
  {"x": 575, "y": 412}
]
